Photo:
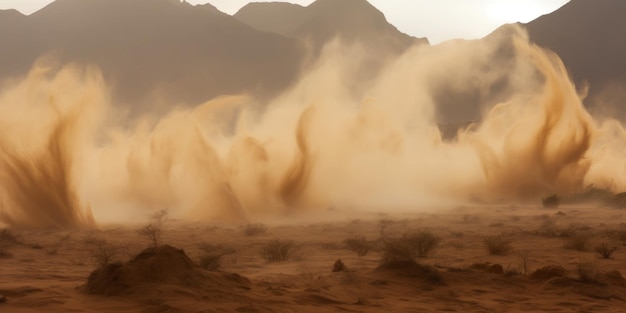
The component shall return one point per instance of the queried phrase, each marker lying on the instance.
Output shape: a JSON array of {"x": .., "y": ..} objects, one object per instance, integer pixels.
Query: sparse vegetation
[
  {"x": 524, "y": 256},
  {"x": 606, "y": 249},
  {"x": 424, "y": 242},
  {"x": 102, "y": 252},
  {"x": 160, "y": 217},
  {"x": 457, "y": 234},
  {"x": 552, "y": 201},
  {"x": 211, "y": 256},
  {"x": 153, "y": 233},
  {"x": 407, "y": 248},
  {"x": 255, "y": 229},
  {"x": 278, "y": 250},
  {"x": 578, "y": 241},
  {"x": 457, "y": 245},
  {"x": 9, "y": 237},
  {"x": 498, "y": 245},
  {"x": 587, "y": 271},
  {"x": 358, "y": 244},
  {"x": 339, "y": 266}
]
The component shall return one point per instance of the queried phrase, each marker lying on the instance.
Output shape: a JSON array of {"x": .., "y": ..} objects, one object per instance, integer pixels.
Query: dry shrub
[
  {"x": 587, "y": 271},
  {"x": 424, "y": 242},
  {"x": 578, "y": 241},
  {"x": 548, "y": 227},
  {"x": 606, "y": 249},
  {"x": 339, "y": 266},
  {"x": 457, "y": 245},
  {"x": 358, "y": 244},
  {"x": 524, "y": 256},
  {"x": 552, "y": 201},
  {"x": 498, "y": 245},
  {"x": 457, "y": 234},
  {"x": 412, "y": 245},
  {"x": 152, "y": 232},
  {"x": 102, "y": 251},
  {"x": 255, "y": 229},
  {"x": 278, "y": 250},
  {"x": 9, "y": 237},
  {"x": 211, "y": 256},
  {"x": 160, "y": 217}
]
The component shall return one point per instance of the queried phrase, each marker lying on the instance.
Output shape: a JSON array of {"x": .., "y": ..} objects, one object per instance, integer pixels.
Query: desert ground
[{"x": 548, "y": 261}]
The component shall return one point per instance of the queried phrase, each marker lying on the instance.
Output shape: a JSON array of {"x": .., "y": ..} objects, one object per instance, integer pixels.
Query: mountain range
[
  {"x": 589, "y": 38},
  {"x": 175, "y": 51}
]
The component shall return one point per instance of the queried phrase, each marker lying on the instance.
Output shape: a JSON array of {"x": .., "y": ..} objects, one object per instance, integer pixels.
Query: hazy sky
[{"x": 436, "y": 19}]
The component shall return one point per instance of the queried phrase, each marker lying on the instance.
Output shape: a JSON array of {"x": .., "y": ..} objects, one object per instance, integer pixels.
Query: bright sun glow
[{"x": 511, "y": 12}]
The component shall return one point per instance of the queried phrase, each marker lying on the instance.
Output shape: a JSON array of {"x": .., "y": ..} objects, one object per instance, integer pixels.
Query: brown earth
[{"x": 50, "y": 271}]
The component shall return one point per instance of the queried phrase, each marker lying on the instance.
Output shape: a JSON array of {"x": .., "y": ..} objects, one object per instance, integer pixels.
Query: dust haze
[{"x": 337, "y": 139}]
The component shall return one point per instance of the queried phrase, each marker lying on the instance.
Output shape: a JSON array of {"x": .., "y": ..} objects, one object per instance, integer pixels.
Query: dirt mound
[
  {"x": 160, "y": 266},
  {"x": 488, "y": 268},
  {"x": 413, "y": 269},
  {"x": 548, "y": 272},
  {"x": 613, "y": 277}
]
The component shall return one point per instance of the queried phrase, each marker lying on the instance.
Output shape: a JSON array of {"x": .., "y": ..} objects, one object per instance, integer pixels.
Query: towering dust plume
[
  {"x": 545, "y": 138},
  {"x": 41, "y": 136},
  {"x": 336, "y": 139}
]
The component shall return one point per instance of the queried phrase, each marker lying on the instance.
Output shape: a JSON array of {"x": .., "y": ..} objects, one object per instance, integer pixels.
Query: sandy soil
[{"x": 47, "y": 271}]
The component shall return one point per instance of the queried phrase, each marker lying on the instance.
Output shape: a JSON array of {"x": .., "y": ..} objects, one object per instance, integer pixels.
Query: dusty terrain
[{"x": 47, "y": 271}]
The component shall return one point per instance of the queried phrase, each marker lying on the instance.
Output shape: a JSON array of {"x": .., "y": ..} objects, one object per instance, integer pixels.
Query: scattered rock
[
  {"x": 339, "y": 266},
  {"x": 548, "y": 272},
  {"x": 489, "y": 268}
]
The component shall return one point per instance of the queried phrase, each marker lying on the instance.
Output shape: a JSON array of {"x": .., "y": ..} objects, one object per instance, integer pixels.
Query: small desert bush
[
  {"x": 524, "y": 256},
  {"x": 552, "y": 201},
  {"x": 578, "y": 241},
  {"x": 457, "y": 234},
  {"x": 10, "y": 237},
  {"x": 211, "y": 256},
  {"x": 587, "y": 271},
  {"x": 255, "y": 229},
  {"x": 423, "y": 241},
  {"x": 102, "y": 252},
  {"x": 152, "y": 232},
  {"x": 606, "y": 249},
  {"x": 160, "y": 217},
  {"x": 457, "y": 245},
  {"x": 407, "y": 248},
  {"x": 278, "y": 250},
  {"x": 498, "y": 245},
  {"x": 358, "y": 244},
  {"x": 548, "y": 227}
]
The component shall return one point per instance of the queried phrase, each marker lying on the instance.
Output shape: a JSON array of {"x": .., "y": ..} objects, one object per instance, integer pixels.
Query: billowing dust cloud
[{"x": 334, "y": 140}]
